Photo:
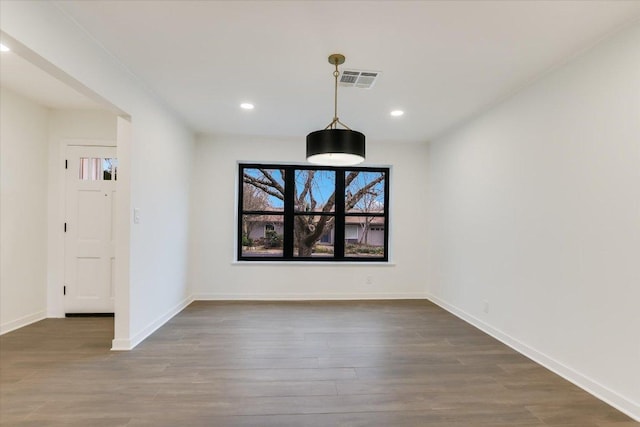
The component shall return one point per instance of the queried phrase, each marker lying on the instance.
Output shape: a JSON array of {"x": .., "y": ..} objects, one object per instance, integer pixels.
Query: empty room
[{"x": 320, "y": 213}]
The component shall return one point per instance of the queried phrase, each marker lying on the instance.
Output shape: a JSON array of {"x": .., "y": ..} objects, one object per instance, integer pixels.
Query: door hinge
[
  {"x": 65, "y": 227},
  {"x": 64, "y": 290},
  {"x": 66, "y": 164}
]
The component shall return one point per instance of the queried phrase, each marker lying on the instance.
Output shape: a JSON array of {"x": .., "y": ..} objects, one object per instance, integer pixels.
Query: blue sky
[{"x": 323, "y": 186}]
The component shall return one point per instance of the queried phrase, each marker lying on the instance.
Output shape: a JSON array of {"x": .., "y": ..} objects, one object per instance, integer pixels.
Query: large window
[{"x": 311, "y": 213}]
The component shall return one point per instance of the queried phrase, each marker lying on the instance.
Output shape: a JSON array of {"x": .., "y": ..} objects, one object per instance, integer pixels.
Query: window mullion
[
  {"x": 338, "y": 241},
  {"x": 386, "y": 215},
  {"x": 240, "y": 212},
  {"x": 289, "y": 201}
]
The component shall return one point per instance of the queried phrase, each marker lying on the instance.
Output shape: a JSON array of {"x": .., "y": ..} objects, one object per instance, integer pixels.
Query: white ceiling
[
  {"x": 441, "y": 61},
  {"x": 21, "y": 76}
]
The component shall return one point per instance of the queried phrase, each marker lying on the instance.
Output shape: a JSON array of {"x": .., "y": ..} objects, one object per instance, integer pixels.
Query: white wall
[
  {"x": 23, "y": 211},
  {"x": 535, "y": 208},
  {"x": 215, "y": 276},
  {"x": 162, "y": 158},
  {"x": 160, "y": 155}
]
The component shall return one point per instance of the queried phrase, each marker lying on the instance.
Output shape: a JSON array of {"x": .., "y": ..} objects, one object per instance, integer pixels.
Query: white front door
[{"x": 89, "y": 237}]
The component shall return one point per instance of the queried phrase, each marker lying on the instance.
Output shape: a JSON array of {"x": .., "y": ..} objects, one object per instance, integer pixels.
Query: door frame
[
  {"x": 70, "y": 226},
  {"x": 56, "y": 219}
]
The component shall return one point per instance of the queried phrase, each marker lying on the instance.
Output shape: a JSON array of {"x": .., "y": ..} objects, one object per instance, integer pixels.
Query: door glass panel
[
  {"x": 96, "y": 169},
  {"x": 84, "y": 169},
  {"x": 109, "y": 169}
]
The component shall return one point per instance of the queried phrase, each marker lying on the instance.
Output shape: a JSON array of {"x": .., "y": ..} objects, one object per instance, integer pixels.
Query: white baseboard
[
  {"x": 591, "y": 386},
  {"x": 129, "y": 344},
  {"x": 304, "y": 297},
  {"x": 120, "y": 345},
  {"x": 21, "y": 322}
]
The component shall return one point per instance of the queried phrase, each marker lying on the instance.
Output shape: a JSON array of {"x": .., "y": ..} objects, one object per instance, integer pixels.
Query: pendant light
[{"x": 332, "y": 146}]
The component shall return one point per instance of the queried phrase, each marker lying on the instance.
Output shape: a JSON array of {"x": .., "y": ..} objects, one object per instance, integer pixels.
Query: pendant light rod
[
  {"x": 335, "y": 93},
  {"x": 336, "y": 59}
]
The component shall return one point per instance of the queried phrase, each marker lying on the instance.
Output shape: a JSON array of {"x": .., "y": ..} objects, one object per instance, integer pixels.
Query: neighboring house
[
  {"x": 356, "y": 229},
  {"x": 259, "y": 225}
]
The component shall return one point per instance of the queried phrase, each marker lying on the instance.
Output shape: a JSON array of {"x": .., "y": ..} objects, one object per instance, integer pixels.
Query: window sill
[{"x": 316, "y": 263}]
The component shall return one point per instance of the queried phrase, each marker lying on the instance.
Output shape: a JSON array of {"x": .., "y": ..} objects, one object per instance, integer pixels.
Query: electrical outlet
[
  {"x": 136, "y": 216},
  {"x": 485, "y": 306},
  {"x": 368, "y": 280}
]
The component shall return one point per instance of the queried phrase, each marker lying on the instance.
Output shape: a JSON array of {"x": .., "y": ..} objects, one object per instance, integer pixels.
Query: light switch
[{"x": 136, "y": 216}]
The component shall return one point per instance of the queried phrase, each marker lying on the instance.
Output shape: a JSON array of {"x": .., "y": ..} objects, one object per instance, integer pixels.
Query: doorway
[{"x": 91, "y": 173}]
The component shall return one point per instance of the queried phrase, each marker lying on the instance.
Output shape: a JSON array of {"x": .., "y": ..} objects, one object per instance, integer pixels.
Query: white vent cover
[{"x": 358, "y": 78}]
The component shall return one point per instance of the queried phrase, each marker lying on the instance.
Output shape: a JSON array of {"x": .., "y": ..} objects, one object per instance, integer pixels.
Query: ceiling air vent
[{"x": 361, "y": 79}]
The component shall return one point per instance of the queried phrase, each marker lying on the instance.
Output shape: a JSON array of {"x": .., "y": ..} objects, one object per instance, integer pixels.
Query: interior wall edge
[{"x": 132, "y": 342}]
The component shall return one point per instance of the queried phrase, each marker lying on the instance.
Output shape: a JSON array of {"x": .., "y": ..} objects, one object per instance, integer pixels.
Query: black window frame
[{"x": 289, "y": 214}]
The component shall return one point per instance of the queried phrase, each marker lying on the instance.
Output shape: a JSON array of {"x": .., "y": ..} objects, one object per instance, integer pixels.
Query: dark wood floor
[{"x": 382, "y": 363}]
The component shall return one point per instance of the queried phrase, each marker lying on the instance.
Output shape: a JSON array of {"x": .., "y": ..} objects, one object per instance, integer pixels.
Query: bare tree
[
  {"x": 253, "y": 199},
  {"x": 369, "y": 202},
  {"x": 308, "y": 229}
]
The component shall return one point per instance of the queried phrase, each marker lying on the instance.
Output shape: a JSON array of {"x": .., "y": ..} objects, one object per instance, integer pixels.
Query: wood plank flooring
[{"x": 347, "y": 363}]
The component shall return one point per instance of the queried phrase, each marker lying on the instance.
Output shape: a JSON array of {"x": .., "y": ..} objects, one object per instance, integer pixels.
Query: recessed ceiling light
[
  {"x": 247, "y": 106},
  {"x": 397, "y": 113},
  {"x": 4, "y": 48}
]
